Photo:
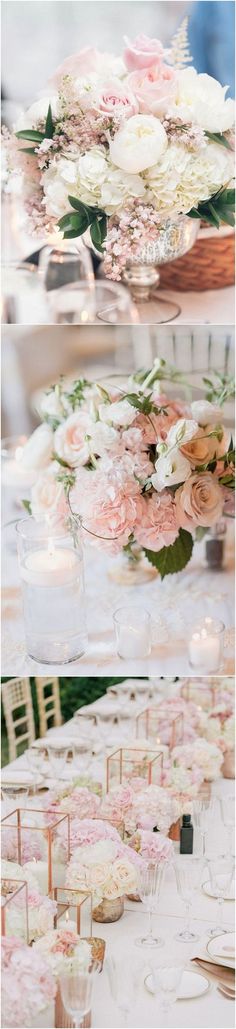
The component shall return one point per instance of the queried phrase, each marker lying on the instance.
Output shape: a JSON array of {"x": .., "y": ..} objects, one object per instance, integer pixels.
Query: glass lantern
[
  {"x": 27, "y": 835},
  {"x": 14, "y": 908},
  {"x": 74, "y": 910},
  {"x": 160, "y": 725},
  {"x": 202, "y": 692},
  {"x": 129, "y": 763}
]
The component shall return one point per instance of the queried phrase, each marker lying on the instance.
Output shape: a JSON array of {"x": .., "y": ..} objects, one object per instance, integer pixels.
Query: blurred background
[
  {"x": 34, "y": 358},
  {"x": 37, "y": 36}
]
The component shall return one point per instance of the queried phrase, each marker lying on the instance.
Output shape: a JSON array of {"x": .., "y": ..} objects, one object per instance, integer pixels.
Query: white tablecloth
[
  {"x": 174, "y": 604},
  {"x": 212, "y": 1009}
]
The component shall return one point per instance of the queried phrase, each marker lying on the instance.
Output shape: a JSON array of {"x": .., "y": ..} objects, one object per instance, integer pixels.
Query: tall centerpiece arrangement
[
  {"x": 131, "y": 150},
  {"x": 141, "y": 473}
]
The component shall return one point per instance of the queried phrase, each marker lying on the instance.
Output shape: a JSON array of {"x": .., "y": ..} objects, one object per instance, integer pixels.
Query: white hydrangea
[{"x": 183, "y": 178}]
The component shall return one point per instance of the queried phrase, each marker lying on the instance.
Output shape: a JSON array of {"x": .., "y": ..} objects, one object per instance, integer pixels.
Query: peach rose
[
  {"x": 199, "y": 450},
  {"x": 142, "y": 53},
  {"x": 199, "y": 501},
  {"x": 70, "y": 439},
  {"x": 112, "y": 890},
  {"x": 125, "y": 874},
  {"x": 154, "y": 89}
]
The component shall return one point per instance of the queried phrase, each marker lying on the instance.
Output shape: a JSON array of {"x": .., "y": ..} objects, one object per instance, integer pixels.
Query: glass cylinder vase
[{"x": 52, "y": 579}]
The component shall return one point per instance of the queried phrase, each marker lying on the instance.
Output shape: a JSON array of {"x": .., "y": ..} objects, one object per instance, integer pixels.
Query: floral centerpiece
[
  {"x": 12, "y": 870},
  {"x": 105, "y": 869},
  {"x": 28, "y": 988},
  {"x": 142, "y": 806},
  {"x": 205, "y": 756},
  {"x": 41, "y": 913},
  {"x": 61, "y": 947},
  {"x": 140, "y": 472},
  {"x": 152, "y": 846},
  {"x": 78, "y": 802},
  {"x": 125, "y": 146}
]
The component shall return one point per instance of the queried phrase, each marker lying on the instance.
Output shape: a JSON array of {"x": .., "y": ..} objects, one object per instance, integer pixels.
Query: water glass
[
  {"x": 150, "y": 882},
  {"x": 227, "y": 804},
  {"x": 76, "y": 991},
  {"x": 64, "y": 265},
  {"x": 123, "y": 977},
  {"x": 133, "y": 636},
  {"x": 51, "y": 572},
  {"x": 58, "y": 756}
]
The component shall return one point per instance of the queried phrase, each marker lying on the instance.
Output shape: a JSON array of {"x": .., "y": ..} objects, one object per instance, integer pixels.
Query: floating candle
[{"x": 52, "y": 566}]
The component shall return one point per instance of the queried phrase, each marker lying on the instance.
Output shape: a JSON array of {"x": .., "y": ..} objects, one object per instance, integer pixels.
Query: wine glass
[
  {"x": 82, "y": 754},
  {"x": 82, "y": 302},
  {"x": 58, "y": 756},
  {"x": 76, "y": 991},
  {"x": 34, "y": 757},
  {"x": 14, "y": 796},
  {"x": 64, "y": 265},
  {"x": 188, "y": 870},
  {"x": 123, "y": 981},
  {"x": 227, "y": 804},
  {"x": 202, "y": 812},
  {"x": 150, "y": 882},
  {"x": 221, "y": 870}
]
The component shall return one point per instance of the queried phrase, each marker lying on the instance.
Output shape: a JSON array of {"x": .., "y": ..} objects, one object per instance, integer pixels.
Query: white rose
[
  {"x": 70, "y": 439},
  {"x": 36, "y": 113},
  {"x": 139, "y": 143},
  {"x": 47, "y": 498},
  {"x": 206, "y": 413},
  {"x": 180, "y": 433},
  {"x": 103, "y": 437},
  {"x": 170, "y": 470},
  {"x": 38, "y": 449},
  {"x": 201, "y": 99},
  {"x": 120, "y": 413},
  {"x": 56, "y": 188}
]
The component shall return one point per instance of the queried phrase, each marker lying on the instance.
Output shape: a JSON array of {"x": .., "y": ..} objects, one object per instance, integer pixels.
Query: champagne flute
[
  {"x": 202, "y": 812},
  {"x": 76, "y": 991},
  {"x": 150, "y": 882},
  {"x": 123, "y": 980}
]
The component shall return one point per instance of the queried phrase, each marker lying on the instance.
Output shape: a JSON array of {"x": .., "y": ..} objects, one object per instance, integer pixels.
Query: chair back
[
  {"x": 48, "y": 697},
  {"x": 18, "y": 711}
]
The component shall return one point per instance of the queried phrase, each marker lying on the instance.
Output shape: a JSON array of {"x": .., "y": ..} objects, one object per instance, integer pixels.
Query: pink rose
[
  {"x": 77, "y": 65},
  {"x": 142, "y": 53},
  {"x": 199, "y": 501},
  {"x": 154, "y": 88},
  {"x": 156, "y": 526},
  {"x": 115, "y": 99}
]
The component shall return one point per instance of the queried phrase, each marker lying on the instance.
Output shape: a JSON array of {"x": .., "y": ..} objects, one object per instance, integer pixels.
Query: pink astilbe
[{"x": 134, "y": 227}]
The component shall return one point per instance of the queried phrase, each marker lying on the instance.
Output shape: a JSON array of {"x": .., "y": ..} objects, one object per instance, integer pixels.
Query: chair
[
  {"x": 48, "y": 702},
  {"x": 16, "y": 694}
]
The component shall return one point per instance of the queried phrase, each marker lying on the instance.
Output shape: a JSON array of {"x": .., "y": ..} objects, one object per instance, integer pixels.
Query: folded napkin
[{"x": 214, "y": 972}]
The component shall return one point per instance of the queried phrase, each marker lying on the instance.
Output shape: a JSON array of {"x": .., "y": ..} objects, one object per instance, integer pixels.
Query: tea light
[
  {"x": 52, "y": 566},
  {"x": 132, "y": 633},
  {"x": 205, "y": 646}
]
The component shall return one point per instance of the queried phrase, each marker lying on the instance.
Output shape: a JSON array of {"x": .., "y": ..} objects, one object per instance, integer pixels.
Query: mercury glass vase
[{"x": 142, "y": 276}]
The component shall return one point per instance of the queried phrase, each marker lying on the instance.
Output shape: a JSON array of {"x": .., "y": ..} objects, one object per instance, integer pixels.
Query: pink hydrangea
[
  {"x": 107, "y": 504},
  {"x": 156, "y": 524},
  {"x": 152, "y": 846},
  {"x": 27, "y": 984},
  {"x": 80, "y": 803}
]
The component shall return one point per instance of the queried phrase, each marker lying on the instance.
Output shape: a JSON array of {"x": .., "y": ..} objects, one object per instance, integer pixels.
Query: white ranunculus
[
  {"x": 206, "y": 413},
  {"x": 38, "y": 449},
  {"x": 170, "y": 471},
  {"x": 139, "y": 143},
  {"x": 181, "y": 432},
  {"x": 37, "y": 113},
  {"x": 201, "y": 99},
  {"x": 119, "y": 413}
]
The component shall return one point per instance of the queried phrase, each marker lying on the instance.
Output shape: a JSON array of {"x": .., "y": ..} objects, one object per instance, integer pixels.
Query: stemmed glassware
[
  {"x": 76, "y": 992},
  {"x": 150, "y": 882},
  {"x": 82, "y": 755},
  {"x": 228, "y": 817},
  {"x": 188, "y": 870},
  {"x": 14, "y": 796},
  {"x": 34, "y": 758},
  {"x": 221, "y": 870},
  {"x": 58, "y": 756},
  {"x": 123, "y": 979},
  {"x": 202, "y": 810}
]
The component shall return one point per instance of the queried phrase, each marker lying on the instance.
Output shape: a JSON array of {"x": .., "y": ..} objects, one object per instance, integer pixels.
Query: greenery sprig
[{"x": 219, "y": 208}]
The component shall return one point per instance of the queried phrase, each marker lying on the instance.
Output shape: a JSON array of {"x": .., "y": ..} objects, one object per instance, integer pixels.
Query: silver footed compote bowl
[{"x": 142, "y": 276}]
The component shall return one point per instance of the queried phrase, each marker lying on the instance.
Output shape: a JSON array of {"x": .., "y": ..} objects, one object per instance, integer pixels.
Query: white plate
[
  {"x": 208, "y": 889},
  {"x": 215, "y": 949},
  {"x": 19, "y": 778},
  {"x": 193, "y": 984}
]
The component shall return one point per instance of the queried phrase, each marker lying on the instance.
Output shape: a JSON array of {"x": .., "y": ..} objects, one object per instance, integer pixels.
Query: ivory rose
[
  {"x": 124, "y": 873},
  {"x": 70, "y": 439},
  {"x": 139, "y": 143},
  {"x": 120, "y": 413},
  {"x": 201, "y": 99},
  {"x": 156, "y": 526},
  {"x": 37, "y": 451},
  {"x": 142, "y": 52},
  {"x": 154, "y": 89},
  {"x": 199, "y": 501},
  {"x": 48, "y": 502},
  {"x": 111, "y": 890}
]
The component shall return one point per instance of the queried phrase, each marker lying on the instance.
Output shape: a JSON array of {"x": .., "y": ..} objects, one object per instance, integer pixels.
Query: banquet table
[
  {"x": 211, "y": 1009},
  {"x": 175, "y": 605}
]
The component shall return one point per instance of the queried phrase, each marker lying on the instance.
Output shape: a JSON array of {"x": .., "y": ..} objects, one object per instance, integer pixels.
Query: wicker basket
[{"x": 208, "y": 265}]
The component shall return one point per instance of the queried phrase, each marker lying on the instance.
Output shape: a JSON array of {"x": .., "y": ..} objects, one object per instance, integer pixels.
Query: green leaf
[
  {"x": 82, "y": 208},
  {"x": 98, "y": 231},
  {"x": 27, "y": 506},
  {"x": 49, "y": 126},
  {"x": 218, "y": 137},
  {"x": 27, "y": 150},
  {"x": 73, "y": 224},
  {"x": 64, "y": 464},
  {"x": 227, "y": 216},
  {"x": 31, "y": 134},
  {"x": 214, "y": 215},
  {"x": 172, "y": 559}
]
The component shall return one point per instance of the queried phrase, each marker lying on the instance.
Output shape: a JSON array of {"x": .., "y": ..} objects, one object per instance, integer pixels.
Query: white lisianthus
[
  {"x": 37, "y": 451},
  {"x": 139, "y": 143},
  {"x": 170, "y": 470},
  {"x": 201, "y": 99},
  {"x": 103, "y": 437},
  {"x": 206, "y": 413},
  {"x": 51, "y": 405},
  {"x": 181, "y": 432},
  {"x": 119, "y": 413}
]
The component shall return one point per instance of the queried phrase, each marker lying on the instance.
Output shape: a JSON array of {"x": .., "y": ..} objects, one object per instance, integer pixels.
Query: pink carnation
[
  {"x": 106, "y": 502},
  {"x": 156, "y": 524}
]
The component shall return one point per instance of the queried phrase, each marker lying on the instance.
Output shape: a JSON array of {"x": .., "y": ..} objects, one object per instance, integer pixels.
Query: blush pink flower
[
  {"x": 152, "y": 846},
  {"x": 107, "y": 504},
  {"x": 199, "y": 501},
  {"x": 116, "y": 99},
  {"x": 77, "y": 65},
  {"x": 156, "y": 526},
  {"x": 143, "y": 52},
  {"x": 154, "y": 89}
]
